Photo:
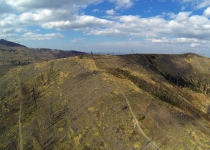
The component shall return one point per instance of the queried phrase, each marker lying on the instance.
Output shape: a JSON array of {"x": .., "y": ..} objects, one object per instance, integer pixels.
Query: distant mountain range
[{"x": 14, "y": 54}]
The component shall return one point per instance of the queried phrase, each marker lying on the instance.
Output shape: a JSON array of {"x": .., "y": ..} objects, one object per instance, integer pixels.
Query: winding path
[
  {"x": 20, "y": 114},
  {"x": 150, "y": 142},
  {"x": 20, "y": 127}
]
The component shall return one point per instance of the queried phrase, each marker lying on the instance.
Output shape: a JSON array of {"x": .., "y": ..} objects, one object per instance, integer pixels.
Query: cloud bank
[{"x": 17, "y": 17}]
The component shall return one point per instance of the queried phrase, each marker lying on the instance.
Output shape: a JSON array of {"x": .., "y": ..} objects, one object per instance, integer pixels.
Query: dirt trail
[
  {"x": 150, "y": 142},
  {"x": 20, "y": 113},
  {"x": 20, "y": 128}
]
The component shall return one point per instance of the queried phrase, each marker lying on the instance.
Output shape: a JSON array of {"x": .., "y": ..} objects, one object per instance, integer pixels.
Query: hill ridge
[{"x": 10, "y": 43}]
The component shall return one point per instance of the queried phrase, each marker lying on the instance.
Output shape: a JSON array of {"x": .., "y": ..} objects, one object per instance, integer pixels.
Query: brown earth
[{"x": 107, "y": 102}]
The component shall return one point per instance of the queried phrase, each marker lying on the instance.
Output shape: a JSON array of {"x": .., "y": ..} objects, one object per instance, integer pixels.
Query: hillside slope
[
  {"x": 13, "y": 54},
  {"x": 107, "y": 102}
]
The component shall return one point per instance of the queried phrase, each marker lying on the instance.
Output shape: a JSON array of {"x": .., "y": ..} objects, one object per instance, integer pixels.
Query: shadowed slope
[
  {"x": 9, "y": 43},
  {"x": 13, "y": 55}
]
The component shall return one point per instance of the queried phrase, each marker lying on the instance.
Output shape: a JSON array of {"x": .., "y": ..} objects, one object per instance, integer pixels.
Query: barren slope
[{"x": 107, "y": 102}]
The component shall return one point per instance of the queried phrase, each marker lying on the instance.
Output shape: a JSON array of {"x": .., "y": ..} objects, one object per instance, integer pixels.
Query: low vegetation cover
[{"x": 141, "y": 101}]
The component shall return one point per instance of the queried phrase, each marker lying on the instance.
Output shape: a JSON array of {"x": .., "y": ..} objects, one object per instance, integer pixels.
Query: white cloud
[
  {"x": 110, "y": 12},
  {"x": 5, "y": 8},
  {"x": 13, "y": 30},
  {"x": 12, "y": 34},
  {"x": 162, "y": 40},
  {"x": 79, "y": 22},
  {"x": 198, "y": 4},
  {"x": 34, "y": 4},
  {"x": 203, "y": 4},
  {"x": 96, "y": 10},
  {"x": 171, "y": 15},
  {"x": 185, "y": 40},
  {"x": 129, "y": 19},
  {"x": 125, "y": 4},
  {"x": 36, "y": 36},
  {"x": 207, "y": 12},
  {"x": 45, "y": 15},
  {"x": 175, "y": 40},
  {"x": 131, "y": 26},
  {"x": 182, "y": 16},
  {"x": 183, "y": 24},
  {"x": 38, "y": 17},
  {"x": 107, "y": 32},
  {"x": 78, "y": 40},
  {"x": 194, "y": 45},
  {"x": 188, "y": 26}
]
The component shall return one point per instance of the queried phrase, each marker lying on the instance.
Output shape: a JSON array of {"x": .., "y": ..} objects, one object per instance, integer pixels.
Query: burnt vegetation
[
  {"x": 103, "y": 101},
  {"x": 160, "y": 91}
]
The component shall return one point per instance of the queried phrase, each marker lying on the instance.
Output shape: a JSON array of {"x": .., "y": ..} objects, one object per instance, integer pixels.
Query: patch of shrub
[{"x": 141, "y": 118}]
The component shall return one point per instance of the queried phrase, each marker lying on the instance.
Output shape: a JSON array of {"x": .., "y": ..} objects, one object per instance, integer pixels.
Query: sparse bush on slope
[{"x": 162, "y": 92}]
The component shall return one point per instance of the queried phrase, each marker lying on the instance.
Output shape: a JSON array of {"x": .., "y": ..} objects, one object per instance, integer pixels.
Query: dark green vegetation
[{"x": 105, "y": 102}]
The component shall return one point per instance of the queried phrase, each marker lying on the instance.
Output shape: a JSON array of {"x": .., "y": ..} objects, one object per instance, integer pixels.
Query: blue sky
[{"x": 109, "y": 26}]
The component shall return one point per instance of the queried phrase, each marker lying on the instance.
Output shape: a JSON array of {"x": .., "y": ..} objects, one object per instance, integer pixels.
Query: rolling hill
[
  {"x": 138, "y": 101},
  {"x": 13, "y": 54}
]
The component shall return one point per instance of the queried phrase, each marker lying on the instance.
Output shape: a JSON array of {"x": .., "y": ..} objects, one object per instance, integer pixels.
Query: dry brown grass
[{"x": 76, "y": 103}]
